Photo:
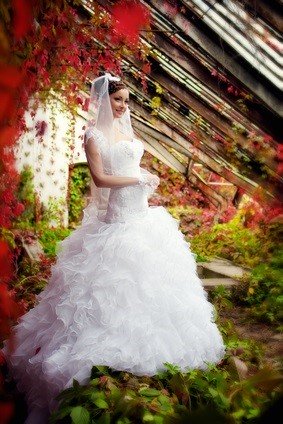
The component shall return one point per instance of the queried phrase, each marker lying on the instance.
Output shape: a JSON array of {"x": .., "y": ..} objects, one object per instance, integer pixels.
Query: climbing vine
[{"x": 79, "y": 186}]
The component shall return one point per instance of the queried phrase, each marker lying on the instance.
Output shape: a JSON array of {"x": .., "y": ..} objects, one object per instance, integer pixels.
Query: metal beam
[
  {"x": 217, "y": 53},
  {"x": 198, "y": 154},
  {"x": 182, "y": 56},
  {"x": 189, "y": 167},
  {"x": 184, "y": 124},
  {"x": 215, "y": 198},
  {"x": 193, "y": 153},
  {"x": 153, "y": 148},
  {"x": 269, "y": 11},
  {"x": 209, "y": 143}
]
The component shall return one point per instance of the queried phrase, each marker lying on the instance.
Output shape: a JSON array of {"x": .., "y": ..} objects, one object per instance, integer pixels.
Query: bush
[
  {"x": 244, "y": 246},
  {"x": 262, "y": 289},
  {"x": 171, "y": 396},
  {"x": 26, "y": 194},
  {"x": 78, "y": 186},
  {"x": 49, "y": 238}
]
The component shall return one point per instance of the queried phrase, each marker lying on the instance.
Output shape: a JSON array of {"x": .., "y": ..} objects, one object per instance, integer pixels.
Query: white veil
[{"x": 103, "y": 127}]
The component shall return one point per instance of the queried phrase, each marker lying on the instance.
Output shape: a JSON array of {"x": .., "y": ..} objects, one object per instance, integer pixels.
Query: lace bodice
[{"x": 124, "y": 156}]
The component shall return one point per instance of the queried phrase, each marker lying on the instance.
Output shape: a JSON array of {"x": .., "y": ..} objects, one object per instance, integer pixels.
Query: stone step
[
  {"x": 219, "y": 267},
  {"x": 210, "y": 283}
]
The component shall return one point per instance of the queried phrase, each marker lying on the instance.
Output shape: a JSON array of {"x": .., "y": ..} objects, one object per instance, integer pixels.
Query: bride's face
[{"x": 119, "y": 102}]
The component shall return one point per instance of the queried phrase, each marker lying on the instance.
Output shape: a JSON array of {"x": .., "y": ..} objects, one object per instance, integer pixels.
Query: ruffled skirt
[{"x": 125, "y": 295}]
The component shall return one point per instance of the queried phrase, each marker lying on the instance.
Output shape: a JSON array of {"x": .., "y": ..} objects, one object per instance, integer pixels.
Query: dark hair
[{"x": 115, "y": 86}]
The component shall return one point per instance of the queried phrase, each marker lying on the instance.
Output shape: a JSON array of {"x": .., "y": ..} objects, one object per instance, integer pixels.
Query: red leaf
[
  {"x": 280, "y": 152},
  {"x": 10, "y": 76},
  {"x": 267, "y": 138},
  {"x": 146, "y": 68},
  {"x": 7, "y": 106},
  {"x": 6, "y": 412},
  {"x": 8, "y": 136},
  {"x": 86, "y": 104},
  {"x": 129, "y": 18},
  {"x": 22, "y": 17},
  {"x": 18, "y": 209},
  {"x": 280, "y": 168},
  {"x": 40, "y": 128},
  {"x": 6, "y": 268}
]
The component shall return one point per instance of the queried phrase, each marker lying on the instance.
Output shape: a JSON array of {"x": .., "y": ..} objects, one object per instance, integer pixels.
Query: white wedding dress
[{"x": 124, "y": 292}]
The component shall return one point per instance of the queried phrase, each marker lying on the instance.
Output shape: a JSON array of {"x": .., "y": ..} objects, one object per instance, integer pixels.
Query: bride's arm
[{"x": 96, "y": 169}]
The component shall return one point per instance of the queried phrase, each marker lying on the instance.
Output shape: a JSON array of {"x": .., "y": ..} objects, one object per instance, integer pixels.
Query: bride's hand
[{"x": 149, "y": 181}]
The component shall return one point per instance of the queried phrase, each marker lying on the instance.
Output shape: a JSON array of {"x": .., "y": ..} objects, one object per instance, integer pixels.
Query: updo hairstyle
[{"x": 114, "y": 86}]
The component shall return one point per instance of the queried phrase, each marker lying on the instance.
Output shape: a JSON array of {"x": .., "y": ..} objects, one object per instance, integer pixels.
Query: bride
[{"x": 124, "y": 291}]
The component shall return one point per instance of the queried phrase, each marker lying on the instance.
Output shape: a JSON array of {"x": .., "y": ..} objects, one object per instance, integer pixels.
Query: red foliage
[
  {"x": 6, "y": 264},
  {"x": 280, "y": 168},
  {"x": 9, "y": 309},
  {"x": 10, "y": 76},
  {"x": 230, "y": 88},
  {"x": 6, "y": 412},
  {"x": 171, "y": 9},
  {"x": 228, "y": 214},
  {"x": 128, "y": 18},
  {"x": 279, "y": 155},
  {"x": 263, "y": 213},
  {"x": 23, "y": 17},
  {"x": 146, "y": 68},
  {"x": 174, "y": 189},
  {"x": 57, "y": 50},
  {"x": 40, "y": 127}
]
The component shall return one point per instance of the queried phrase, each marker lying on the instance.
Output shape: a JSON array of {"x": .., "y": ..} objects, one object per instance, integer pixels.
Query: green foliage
[
  {"x": 26, "y": 194},
  {"x": 262, "y": 289},
  {"x": 53, "y": 213},
  {"x": 31, "y": 279},
  {"x": 78, "y": 187},
  {"x": 235, "y": 242},
  {"x": 50, "y": 237},
  {"x": 220, "y": 296},
  {"x": 37, "y": 214},
  {"x": 213, "y": 395},
  {"x": 8, "y": 236}
]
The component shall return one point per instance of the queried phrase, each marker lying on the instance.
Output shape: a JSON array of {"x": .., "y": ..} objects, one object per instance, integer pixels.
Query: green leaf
[
  {"x": 104, "y": 419},
  {"x": 76, "y": 384},
  {"x": 163, "y": 399},
  {"x": 147, "y": 417},
  {"x": 60, "y": 414},
  {"x": 100, "y": 403},
  {"x": 80, "y": 415},
  {"x": 149, "y": 392},
  {"x": 94, "y": 382},
  {"x": 213, "y": 392}
]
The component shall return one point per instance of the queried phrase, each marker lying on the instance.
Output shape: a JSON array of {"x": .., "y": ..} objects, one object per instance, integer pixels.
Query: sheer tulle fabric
[
  {"x": 101, "y": 124},
  {"x": 124, "y": 292}
]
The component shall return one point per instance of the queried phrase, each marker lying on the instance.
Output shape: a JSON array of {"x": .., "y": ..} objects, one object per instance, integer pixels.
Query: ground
[{"x": 265, "y": 334}]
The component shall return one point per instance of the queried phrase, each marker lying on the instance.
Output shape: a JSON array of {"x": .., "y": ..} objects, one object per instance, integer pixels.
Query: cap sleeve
[{"x": 94, "y": 133}]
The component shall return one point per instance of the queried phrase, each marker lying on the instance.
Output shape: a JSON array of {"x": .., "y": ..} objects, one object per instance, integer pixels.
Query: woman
[{"x": 124, "y": 291}]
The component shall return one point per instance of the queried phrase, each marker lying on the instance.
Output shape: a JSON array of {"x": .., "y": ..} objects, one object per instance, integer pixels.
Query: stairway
[{"x": 220, "y": 271}]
